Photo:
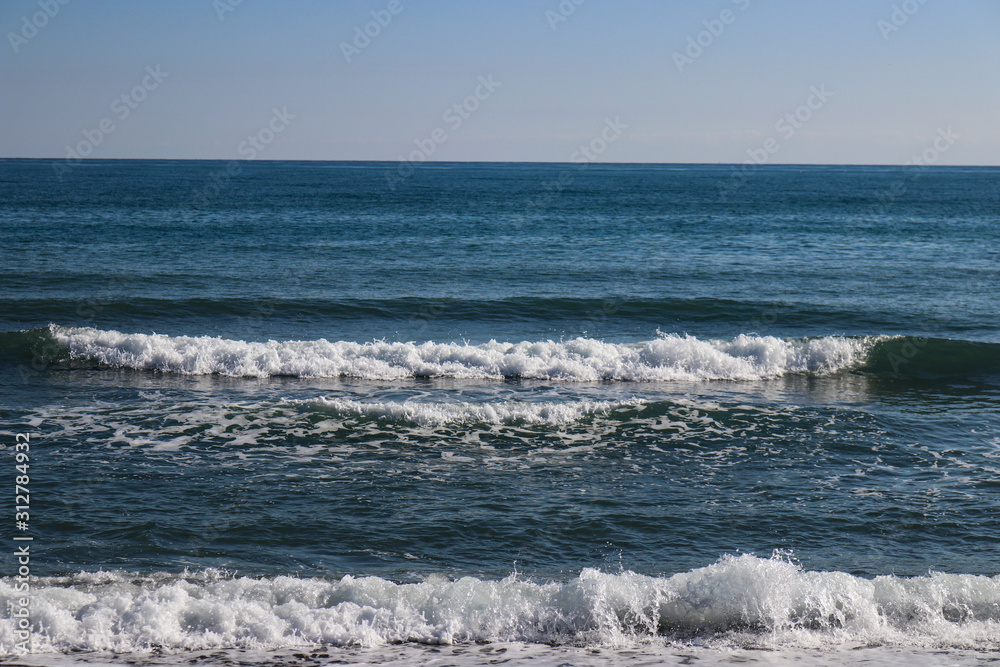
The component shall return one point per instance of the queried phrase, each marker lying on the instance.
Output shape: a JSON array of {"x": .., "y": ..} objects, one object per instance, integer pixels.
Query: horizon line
[{"x": 513, "y": 162}]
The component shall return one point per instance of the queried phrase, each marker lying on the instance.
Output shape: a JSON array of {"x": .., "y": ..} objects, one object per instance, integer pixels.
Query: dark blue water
[{"x": 673, "y": 407}]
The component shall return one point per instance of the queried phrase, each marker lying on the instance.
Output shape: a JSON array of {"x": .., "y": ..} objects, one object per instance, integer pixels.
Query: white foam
[
  {"x": 547, "y": 413},
  {"x": 669, "y": 357},
  {"x": 767, "y": 602}
]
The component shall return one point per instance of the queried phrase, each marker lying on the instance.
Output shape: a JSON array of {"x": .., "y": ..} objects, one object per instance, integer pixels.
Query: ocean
[{"x": 470, "y": 413}]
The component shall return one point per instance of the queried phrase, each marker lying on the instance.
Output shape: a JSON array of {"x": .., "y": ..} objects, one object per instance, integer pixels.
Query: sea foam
[
  {"x": 546, "y": 413},
  {"x": 668, "y": 357},
  {"x": 773, "y": 602}
]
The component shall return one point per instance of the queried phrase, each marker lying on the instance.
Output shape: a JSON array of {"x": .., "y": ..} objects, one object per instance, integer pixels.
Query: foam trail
[
  {"x": 499, "y": 413},
  {"x": 773, "y": 600},
  {"x": 669, "y": 357}
]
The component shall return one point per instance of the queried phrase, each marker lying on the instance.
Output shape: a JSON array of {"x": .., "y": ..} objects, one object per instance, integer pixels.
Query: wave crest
[
  {"x": 774, "y": 600},
  {"x": 669, "y": 357}
]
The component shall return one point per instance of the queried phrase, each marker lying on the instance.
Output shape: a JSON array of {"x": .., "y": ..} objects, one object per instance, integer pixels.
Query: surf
[
  {"x": 773, "y": 600},
  {"x": 667, "y": 357}
]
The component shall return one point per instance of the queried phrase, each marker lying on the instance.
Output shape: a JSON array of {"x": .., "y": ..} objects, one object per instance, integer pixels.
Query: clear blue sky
[{"x": 892, "y": 92}]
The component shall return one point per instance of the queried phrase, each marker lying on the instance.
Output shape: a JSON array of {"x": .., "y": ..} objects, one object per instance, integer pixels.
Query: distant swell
[
  {"x": 773, "y": 600},
  {"x": 670, "y": 357},
  {"x": 413, "y": 313}
]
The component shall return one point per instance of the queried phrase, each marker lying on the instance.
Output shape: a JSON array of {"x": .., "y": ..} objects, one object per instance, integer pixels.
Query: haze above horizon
[{"x": 725, "y": 81}]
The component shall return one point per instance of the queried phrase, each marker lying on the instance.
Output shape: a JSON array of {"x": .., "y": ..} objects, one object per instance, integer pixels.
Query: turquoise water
[{"x": 547, "y": 404}]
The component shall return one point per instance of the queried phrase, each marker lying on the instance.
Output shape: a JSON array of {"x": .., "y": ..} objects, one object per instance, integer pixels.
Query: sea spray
[{"x": 668, "y": 357}]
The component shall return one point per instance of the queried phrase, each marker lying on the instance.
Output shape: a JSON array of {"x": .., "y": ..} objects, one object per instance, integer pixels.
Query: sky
[{"x": 668, "y": 81}]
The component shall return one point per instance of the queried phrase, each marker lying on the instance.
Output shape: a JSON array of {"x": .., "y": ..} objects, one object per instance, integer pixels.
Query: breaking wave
[
  {"x": 773, "y": 600},
  {"x": 668, "y": 357}
]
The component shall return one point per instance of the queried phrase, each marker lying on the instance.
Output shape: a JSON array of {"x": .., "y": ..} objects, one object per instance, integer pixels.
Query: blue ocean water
[{"x": 575, "y": 406}]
